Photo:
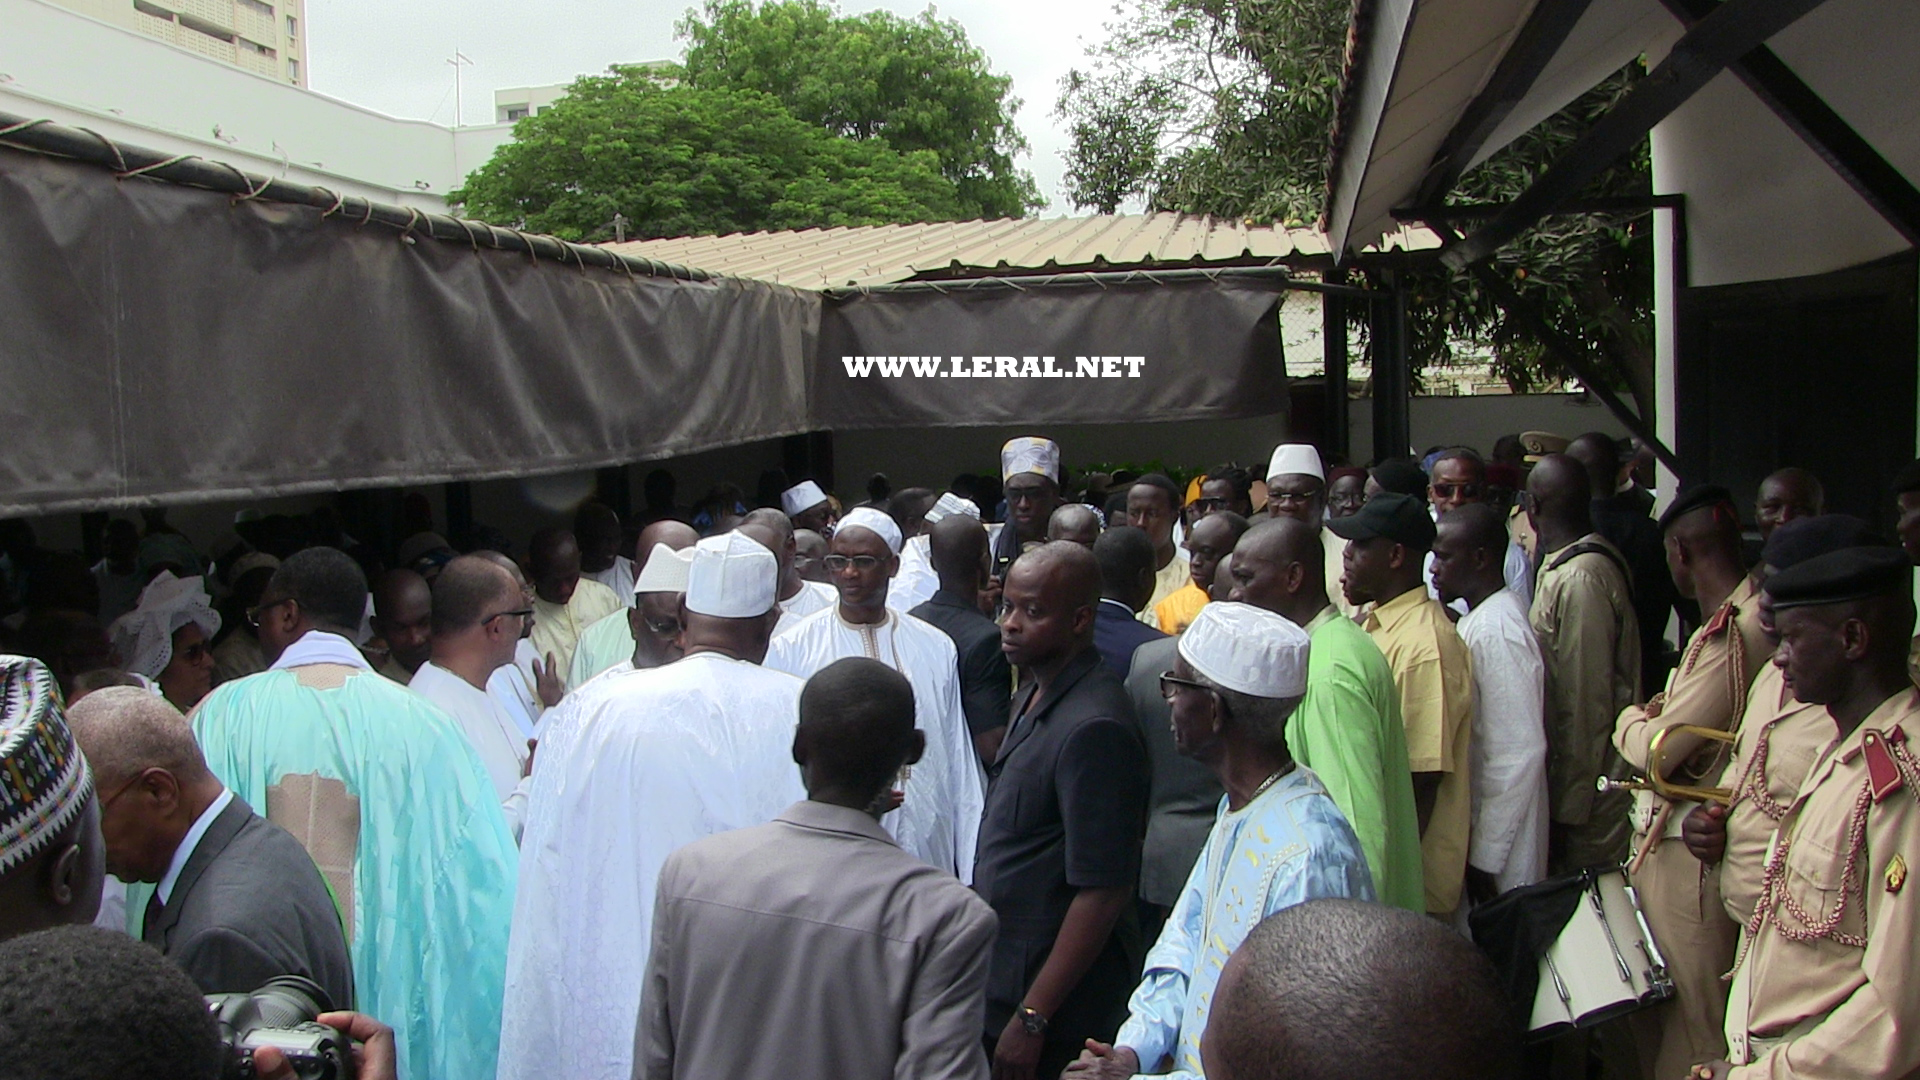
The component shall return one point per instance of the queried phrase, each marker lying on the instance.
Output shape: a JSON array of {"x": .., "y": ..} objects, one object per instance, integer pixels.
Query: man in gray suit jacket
[
  {"x": 814, "y": 946},
  {"x": 237, "y": 900}
]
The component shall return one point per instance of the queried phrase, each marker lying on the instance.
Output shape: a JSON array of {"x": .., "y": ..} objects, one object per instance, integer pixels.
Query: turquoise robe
[{"x": 434, "y": 869}]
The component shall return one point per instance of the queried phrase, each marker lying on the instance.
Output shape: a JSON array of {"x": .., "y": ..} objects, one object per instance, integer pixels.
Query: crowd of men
[{"x": 1123, "y": 778}]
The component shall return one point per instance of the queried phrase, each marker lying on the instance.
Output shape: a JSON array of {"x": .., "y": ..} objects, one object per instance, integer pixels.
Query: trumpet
[{"x": 1656, "y": 781}]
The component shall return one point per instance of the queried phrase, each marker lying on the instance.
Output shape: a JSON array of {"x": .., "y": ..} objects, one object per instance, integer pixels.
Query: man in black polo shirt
[
  {"x": 957, "y": 547},
  {"x": 1059, "y": 849}
]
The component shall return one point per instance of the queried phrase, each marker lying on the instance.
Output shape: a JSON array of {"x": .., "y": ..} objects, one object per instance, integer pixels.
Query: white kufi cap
[
  {"x": 875, "y": 521},
  {"x": 1296, "y": 458},
  {"x": 802, "y": 496},
  {"x": 731, "y": 577},
  {"x": 1248, "y": 649},
  {"x": 950, "y": 504},
  {"x": 1030, "y": 454},
  {"x": 665, "y": 571}
]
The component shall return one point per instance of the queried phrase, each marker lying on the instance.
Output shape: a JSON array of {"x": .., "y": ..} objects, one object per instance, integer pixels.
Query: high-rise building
[{"x": 266, "y": 37}]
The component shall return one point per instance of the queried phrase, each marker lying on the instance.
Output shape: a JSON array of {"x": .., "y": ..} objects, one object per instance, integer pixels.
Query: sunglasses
[
  {"x": 255, "y": 612},
  {"x": 837, "y": 563},
  {"x": 1453, "y": 491},
  {"x": 1170, "y": 682},
  {"x": 524, "y": 613}
]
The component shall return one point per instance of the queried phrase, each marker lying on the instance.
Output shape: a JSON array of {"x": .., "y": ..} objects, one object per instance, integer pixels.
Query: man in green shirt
[{"x": 1348, "y": 728}]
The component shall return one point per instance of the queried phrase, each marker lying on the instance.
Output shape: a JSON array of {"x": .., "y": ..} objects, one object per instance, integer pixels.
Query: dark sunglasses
[
  {"x": 837, "y": 563},
  {"x": 1168, "y": 681},
  {"x": 1449, "y": 491}
]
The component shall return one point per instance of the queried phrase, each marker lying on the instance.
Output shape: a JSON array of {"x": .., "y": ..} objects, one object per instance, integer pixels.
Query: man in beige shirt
[
  {"x": 564, "y": 603},
  {"x": 1387, "y": 545},
  {"x": 1826, "y": 983},
  {"x": 813, "y": 946},
  {"x": 1708, "y": 690},
  {"x": 1583, "y": 614}
]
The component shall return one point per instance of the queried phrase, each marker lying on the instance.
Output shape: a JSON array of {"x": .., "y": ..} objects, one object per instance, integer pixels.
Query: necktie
[{"x": 151, "y": 920}]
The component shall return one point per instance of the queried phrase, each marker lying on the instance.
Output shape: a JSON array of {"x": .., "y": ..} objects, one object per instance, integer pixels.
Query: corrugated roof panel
[{"x": 877, "y": 254}]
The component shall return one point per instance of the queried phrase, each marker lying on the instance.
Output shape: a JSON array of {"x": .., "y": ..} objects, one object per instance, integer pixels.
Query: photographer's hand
[{"x": 374, "y": 1053}]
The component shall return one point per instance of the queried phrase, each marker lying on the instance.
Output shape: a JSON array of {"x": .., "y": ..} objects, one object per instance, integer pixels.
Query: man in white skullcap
[
  {"x": 642, "y": 636},
  {"x": 798, "y": 598},
  {"x": 52, "y": 857},
  {"x": 1297, "y": 488},
  {"x": 808, "y": 507},
  {"x": 631, "y": 767},
  {"x": 1238, "y": 674},
  {"x": 1030, "y": 480},
  {"x": 945, "y": 790},
  {"x": 917, "y": 580}
]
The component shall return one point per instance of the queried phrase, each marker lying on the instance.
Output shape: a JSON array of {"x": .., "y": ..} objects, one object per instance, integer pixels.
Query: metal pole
[
  {"x": 1333, "y": 342},
  {"x": 1391, "y": 379}
]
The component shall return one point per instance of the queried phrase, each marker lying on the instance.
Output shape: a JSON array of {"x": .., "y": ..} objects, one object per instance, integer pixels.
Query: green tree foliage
[
  {"x": 675, "y": 160},
  {"x": 915, "y": 84},
  {"x": 1224, "y": 107}
]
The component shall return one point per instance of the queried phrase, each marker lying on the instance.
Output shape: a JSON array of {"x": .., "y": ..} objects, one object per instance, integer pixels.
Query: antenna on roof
[{"x": 458, "y": 61}]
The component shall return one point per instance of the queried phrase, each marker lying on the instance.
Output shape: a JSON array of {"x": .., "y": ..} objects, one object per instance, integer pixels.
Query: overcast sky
[{"x": 392, "y": 57}]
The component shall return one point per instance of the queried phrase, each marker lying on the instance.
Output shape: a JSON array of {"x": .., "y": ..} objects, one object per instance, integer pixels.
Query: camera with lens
[{"x": 282, "y": 1015}]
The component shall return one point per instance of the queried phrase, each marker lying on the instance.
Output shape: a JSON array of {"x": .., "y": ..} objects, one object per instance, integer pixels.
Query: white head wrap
[
  {"x": 875, "y": 521},
  {"x": 949, "y": 504},
  {"x": 1296, "y": 458},
  {"x": 252, "y": 560},
  {"x": 44, "y": 779},
  {"x": 731, "y": 577},
  {"x": 144, "y": 636},
  {"x": 1248, "y": 649},
  {"x": 665, "y": 571},
  {"x": 801, "y": 496},
  {"x": 1030, "y": 454}
]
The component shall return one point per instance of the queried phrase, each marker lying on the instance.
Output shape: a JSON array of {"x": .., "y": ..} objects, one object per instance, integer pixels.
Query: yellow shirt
[
  {"x": 1176, "y": 612},
  {"x": 1168, "y": 580},
  {"x": 1434, "y": 672},
  {"x": 557, "y": 627}
]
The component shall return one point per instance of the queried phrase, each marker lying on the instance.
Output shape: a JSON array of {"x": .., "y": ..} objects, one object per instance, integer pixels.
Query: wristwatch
[{"x": 1032, "y": 1021}]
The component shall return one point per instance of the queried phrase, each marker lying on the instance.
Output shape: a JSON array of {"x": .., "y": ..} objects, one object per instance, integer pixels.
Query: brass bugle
[{"x": 1656, "y": 780}]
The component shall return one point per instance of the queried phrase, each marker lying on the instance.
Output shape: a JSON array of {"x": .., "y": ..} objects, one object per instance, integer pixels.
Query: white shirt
[
  {"x": 618, "y": 577},
  {"x": 946, "y": 790},
  {"x": 632, "y": 767},
  {"x": 320, "y": 647},
  {"x": 188, "y": 843},
  {"x": 512, "y": 685},
  {"x": 916, "y": 582},
  {"x": 1509, "y": 743},
  {"x": 813, "y": 596},
  {"x": 489, "y": 730}
]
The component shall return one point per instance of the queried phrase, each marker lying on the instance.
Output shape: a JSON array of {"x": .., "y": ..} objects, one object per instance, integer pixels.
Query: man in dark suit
[
  {"x": 1126, "y": 559},
  {"x": 957, "y": 547},
  {"x": 1059, "y": 851},
  {"x": 237, "y": 900}
]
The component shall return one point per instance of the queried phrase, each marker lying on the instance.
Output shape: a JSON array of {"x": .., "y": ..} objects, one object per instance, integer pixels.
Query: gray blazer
[
  {"x": 813, "y": 946},
  {"x": 249, "y": 904},
  {"x": 1185, "y": 795}
]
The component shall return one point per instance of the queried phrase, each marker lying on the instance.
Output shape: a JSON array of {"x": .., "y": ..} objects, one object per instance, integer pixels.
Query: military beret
[
  {"x": 1854, "y": 573},
  {"x": 1698, "y": 497},
  {"x": 1804, "y": 538}
]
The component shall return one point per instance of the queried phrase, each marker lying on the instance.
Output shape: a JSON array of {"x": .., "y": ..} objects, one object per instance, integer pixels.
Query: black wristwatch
[{"x": 1032, "y": 1021}]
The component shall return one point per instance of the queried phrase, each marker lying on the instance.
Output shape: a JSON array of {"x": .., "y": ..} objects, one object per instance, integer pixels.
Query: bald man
[
  {"x": 1334, "y": 989},
  {"x": 402, "y": 618},
  {"x": 799, "y": 598},
  {"x": 1210, "y": 540},
  {"x": 1787, "y": 495},
  {"x": 959, "y": 550},
  {"x": 642, "y": 635},
  {"x": 236, "y": 899},
  {"x": 1059, "y": 850},
  {"x": 777, "y": 949},
  {"x": 810, "y": 553},
  {"x": 564, "y": 603},
  {"x": 1583, "y": 614},
  {"x": 1075, "y": 522}
]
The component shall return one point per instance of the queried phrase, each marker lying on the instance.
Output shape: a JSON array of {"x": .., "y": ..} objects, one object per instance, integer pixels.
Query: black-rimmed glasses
[
  {"x": 524, "y": 613},
  {"x": 837, "y": 563},
  {"x": 1169, "y": 681}
]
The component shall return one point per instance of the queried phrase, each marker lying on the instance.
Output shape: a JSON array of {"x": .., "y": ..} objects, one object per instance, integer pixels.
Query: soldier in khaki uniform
[
  {"x": 1777, "y": 741},
  {"x": 1583, "y": 615},
  {"x": 1708, "y": 689},
  {"x": 1826, "y": 983}
]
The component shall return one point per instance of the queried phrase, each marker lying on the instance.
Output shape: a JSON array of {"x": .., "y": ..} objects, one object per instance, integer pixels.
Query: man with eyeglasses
[
  {"x": 1458, "y": 477},
  {"x": 1297, "y": 488},
  {"x": 384, "y": 791},
  {"x": 643, "y": 636},
  {"x": 478, "y": 613},
  {"x": 940, "y": 819},
  {"x": 1030, "y": 482},
  {"x": 1278, "y": 839}
]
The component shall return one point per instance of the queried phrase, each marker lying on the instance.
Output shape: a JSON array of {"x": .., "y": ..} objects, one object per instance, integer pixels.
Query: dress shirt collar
[
  {"x": 321, "y": 647},
  {"x": 189, "y": 842},
  {"x": 827, "y": 817},
  {"x": 1393, "y": 611},
  {"x": 1119, "y": 608}
]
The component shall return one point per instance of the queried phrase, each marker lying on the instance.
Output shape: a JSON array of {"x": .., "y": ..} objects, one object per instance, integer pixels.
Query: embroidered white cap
[
  {"x": 876, "y": 522},
  {"x": 1030, "y": 454},
  {"x": 1296, "y": 458},
  {"x": 731, "y": 577},
  {"x": 802, "y": 496},
  {"x": 665, "y": 571},
  {"x": 949, "y": 504},
  {"x": 1248, "y": 649}
]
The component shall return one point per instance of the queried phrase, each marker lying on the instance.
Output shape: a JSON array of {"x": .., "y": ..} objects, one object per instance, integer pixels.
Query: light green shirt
[
  {"x": 1348, "y": 731},
  {"x": 604, "y": 644}
]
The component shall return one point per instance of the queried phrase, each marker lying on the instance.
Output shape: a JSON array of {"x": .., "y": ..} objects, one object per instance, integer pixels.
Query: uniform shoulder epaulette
[
  {"x": 1884, "y": 774},
  {"x": 1722, "y": 619}
]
